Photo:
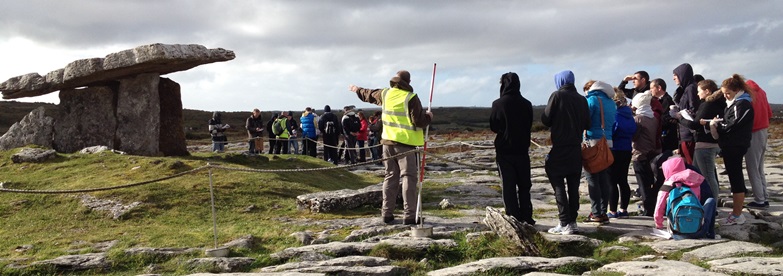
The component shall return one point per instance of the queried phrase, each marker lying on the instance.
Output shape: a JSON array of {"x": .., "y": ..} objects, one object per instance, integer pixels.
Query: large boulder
[
  {"x": 34, "y": 129},
  {"x": 138, "y": 115},
  {"x": 172, "y": 130},
  {"x": 154, "y": 58},
  {"x": 33, "y": 155},
  {"x": 85, "y": 118},
  {"x": 520, "y": 233}
]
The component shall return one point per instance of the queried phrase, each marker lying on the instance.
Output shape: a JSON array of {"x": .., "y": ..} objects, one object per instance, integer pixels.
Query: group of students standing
[
  {"x": 644, "y": 127},
  {"x": 284, "y": 134}
]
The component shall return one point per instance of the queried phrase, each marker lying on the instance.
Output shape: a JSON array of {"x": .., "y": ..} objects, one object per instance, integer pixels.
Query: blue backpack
[{"x": 683, "y": 210}]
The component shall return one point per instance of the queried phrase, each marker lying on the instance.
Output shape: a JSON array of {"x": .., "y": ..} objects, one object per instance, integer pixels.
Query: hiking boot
[
  {"x": 734, "y": 220},
  {"x": 602, "y": 219},
  {"x": 561, "y": 230},
  {"x": 388, "y": 220},
  {"x": 410, "y": 221},
  {"x": 755, "y": 205}
]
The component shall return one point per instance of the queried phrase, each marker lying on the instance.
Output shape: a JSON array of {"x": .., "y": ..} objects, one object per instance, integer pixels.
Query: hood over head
[
  {"x": 603, "y": 87},
  {"x": 672, "y": 166},
  {"x": 755, "y": 87},
  {"x": 642, "y": 104},
  {"x": 216, "y": 115},
  {"x": 402, "y": 81},
  {"x": 509, "y": 84},
  {"x": 563, "y": 78},
  {"x": 684, "y": 72},
  {"x": 688, "y": 177},
  {"x": 327, "y": 108}
]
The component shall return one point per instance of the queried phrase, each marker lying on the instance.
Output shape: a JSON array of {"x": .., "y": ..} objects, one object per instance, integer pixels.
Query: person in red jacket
[
  {"x": 361, "y": 137},
  {"x": 754, "y": 158}
]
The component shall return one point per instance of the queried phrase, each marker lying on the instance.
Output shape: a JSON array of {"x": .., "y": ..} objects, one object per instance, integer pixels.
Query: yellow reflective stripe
[
  {"x": 394, "y": 113},
  {"x": 391, "y": 124}
]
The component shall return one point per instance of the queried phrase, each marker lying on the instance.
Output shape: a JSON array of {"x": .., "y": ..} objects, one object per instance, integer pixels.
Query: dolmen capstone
[{"x": 119, "y": 101}]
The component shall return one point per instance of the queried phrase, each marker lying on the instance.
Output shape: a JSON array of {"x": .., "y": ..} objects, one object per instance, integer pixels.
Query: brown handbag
[{"x": 598, "y": 157}]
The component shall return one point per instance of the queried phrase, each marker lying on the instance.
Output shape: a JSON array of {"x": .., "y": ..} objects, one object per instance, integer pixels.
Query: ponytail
[{"x": 737, "y": 83}]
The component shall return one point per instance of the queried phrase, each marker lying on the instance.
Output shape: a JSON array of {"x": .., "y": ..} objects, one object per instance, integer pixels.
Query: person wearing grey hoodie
[
  {"x": 686, "y": 98},
  {"x": 600, "y": 101},
  {"x": 567, "y": 116}
]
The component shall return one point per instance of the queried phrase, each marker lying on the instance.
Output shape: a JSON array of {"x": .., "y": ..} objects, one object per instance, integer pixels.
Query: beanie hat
[{"x": 327, "y": 108}]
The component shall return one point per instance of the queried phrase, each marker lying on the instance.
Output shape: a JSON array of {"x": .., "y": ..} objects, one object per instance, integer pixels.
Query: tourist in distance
[
  {"x": 254, "y": 126},
  {"x": 376, "y": 129},
  {"x": 309, "y": 135},
  {"x": 271, "y": 134},
  {"x": 361, "y": 136},
  {"x": 402, "y": 132},
  {"x": 216, "y": 130},
  {"x": 295, "y": 136},
  {"x": 511, "y": 119},
  {"x": 281, "y": 147},
  {"x": 567, "y": 116},
  {"x": 330, "y": 128}
]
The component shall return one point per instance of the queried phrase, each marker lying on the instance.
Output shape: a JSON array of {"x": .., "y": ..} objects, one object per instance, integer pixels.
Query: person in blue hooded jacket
[
  {"x": 622, "y": 135},
  {"x": 309, "y": 125},
  {"x": 599, "y": 185},
  {"x": 567, "y": 116}
]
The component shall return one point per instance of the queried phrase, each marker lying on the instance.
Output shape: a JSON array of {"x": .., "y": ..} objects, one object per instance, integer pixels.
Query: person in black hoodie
[
  {"x": 567, "y": 116},
  {"x": 686, "y": 98},
  {"x": 271, "y": 134},
  {"x": 734, "y": 135},
  {"x": 330, "y": 128},
  {"x": 511, "y": 119}
]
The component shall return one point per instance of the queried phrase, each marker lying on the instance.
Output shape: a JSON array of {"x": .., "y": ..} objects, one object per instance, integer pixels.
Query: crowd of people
[{"x": 670, "y": 141}]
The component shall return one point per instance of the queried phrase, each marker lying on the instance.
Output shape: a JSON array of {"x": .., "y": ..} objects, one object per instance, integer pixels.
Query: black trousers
[
  {"x": 308, "y": 147},
  {"x": 619, "y": 175},
  {"x": 647, "y": 185},
  {"x": 515, "y": 173},
  {"x": 272, "y": 143},
  {"x": 281, "y": 147},
  {"x": 732, "y": 159},
  {"x": 330, "y": 149}
]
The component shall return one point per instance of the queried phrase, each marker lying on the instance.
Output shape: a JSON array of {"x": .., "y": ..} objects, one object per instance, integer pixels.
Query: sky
[{"x": 292, "y": 54}]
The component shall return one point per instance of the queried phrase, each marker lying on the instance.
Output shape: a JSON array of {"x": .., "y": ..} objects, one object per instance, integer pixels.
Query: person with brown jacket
[{"x": 402, "y": 133}]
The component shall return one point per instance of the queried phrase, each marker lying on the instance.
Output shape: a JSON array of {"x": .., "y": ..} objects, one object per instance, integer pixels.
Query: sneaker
[
  {"x": 561, "y": 230},
  {"x": 388, "y": 220},
  {"x": 611, "y": 215},
  {"x": 622, "y": 214},
  {"x": 599, "y": 219},
  {"x": 734, "y": 220},
  {"x": 573, "y": 226},
  {"x": 755, "y": 205}
]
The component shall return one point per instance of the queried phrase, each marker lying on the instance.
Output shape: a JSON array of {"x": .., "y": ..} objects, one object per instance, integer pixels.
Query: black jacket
[
  {"x": 669, "y": 128},
  {"x": 251, "y": 124},
  {"x": 511, "y": 118},
  {"x": 737, "y": 125},
  {"x": 329, "y": 117},
  {"x": 709, "y": 108},
  {"x": 688, "y": 96},
  {"x": 567, "y": 116},
  {"x": 269, "y": 132}
]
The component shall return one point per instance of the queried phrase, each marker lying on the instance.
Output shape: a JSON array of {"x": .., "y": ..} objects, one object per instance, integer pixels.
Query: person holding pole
[
  {"x": 512, "y": 119},
  {"x": 404, "y": 120}
]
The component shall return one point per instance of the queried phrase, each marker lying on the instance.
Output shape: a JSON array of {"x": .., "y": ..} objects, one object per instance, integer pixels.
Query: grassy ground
[{"x": 174, "y": 213}]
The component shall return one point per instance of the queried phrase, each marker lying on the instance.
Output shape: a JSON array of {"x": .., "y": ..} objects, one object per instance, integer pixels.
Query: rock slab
[
  {"x": 153, "y": 58},
  {"x": 748, "y": 266},
  {"x": 724, "y": 250},
  {"x": 658, "y": 267},
  {"x": 33, "y": 155},
  {"x": 518, "y": 264},
  {"x": 345, "y": 199},
  {"x": 510, "y": 228},
  {"x": 85, "y": 119},
  {"x": 34, "y": 129},
  {"x": 77, "y": 262}
]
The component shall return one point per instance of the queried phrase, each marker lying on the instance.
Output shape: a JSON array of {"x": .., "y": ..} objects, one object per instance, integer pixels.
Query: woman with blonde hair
[
  {"x": 622, "y": 135},
  {"x": 734, "y": 132}
]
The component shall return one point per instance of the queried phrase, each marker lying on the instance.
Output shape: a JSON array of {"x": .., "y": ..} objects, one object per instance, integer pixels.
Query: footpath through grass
[{"x": 174, "y": 213}]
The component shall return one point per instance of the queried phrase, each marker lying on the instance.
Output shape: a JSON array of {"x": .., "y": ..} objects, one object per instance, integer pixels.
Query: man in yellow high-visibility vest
[{"x": 404, "y": 120}]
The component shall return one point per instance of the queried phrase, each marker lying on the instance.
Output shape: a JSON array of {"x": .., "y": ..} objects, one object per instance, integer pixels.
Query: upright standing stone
[
  {"x": 138, "y": 115},
  {"x": 85, "y": 118},
  {"x": 172, "y": 132},
  {"x": 35, "y": 129}
]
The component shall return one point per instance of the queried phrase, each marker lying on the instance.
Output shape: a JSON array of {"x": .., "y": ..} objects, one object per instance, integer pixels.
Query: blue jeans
[
  {"x": 599, "y": 187},
  {"x": 708, "y": 228},
  {"x": 294, "y": 144},
  {"x": 704, "y": 160}
]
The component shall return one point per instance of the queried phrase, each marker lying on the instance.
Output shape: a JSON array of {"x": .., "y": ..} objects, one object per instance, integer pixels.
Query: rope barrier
[{"x": 23, "y": 191}]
